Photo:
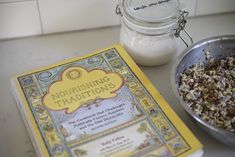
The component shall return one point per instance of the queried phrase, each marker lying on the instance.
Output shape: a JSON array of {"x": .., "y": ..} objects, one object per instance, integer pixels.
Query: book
[{"x": 99, "y": 105}]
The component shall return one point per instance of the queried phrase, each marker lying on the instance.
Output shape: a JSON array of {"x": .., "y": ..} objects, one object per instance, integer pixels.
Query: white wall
[{"x": 34, "y": 17}]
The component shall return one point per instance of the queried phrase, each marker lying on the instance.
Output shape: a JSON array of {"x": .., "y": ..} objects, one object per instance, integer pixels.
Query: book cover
[{"x": 99, "y": 105}]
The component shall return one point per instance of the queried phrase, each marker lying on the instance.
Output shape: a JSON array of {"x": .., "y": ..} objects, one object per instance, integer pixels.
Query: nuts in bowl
[
  {"x": 203, "y": 79},
  {"x": 209, "y": 90}
]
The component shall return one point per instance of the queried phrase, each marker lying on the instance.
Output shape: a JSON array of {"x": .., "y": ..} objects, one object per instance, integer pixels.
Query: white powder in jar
[{"x": 148, "y": 50}]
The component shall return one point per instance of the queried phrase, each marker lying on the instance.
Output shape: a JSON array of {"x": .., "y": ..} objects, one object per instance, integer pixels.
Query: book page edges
[{"x": 30, "y": 123}]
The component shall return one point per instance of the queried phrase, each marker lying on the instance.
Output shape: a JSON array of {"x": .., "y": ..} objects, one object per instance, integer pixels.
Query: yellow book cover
[{"x": 99, "y": 105}]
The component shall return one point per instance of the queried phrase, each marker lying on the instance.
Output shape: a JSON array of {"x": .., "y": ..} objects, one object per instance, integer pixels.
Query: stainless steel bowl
[{"x": 219, "y": 47}]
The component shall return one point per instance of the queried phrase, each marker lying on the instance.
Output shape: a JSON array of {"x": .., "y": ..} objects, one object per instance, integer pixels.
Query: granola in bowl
[{"x": 209, "y": 91}]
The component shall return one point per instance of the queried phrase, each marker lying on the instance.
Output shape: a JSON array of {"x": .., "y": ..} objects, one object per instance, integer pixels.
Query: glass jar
[{"x": 148, "y": 29}]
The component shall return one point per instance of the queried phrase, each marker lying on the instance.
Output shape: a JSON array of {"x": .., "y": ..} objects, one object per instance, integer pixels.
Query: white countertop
[{"x": 24, "y": 54}]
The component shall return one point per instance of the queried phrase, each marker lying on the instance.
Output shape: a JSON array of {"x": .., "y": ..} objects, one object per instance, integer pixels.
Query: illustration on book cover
[{"x": 96, "y": 106}]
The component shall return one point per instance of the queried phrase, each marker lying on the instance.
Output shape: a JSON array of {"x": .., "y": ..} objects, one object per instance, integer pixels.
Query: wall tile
[
  {"x": 189, "y": 5},
  {"x": 214, "y": 6},
  {"x": 19, "y": 19},
  {"x": 61, "y": 15},
  {"x": 13, "y": 1}
]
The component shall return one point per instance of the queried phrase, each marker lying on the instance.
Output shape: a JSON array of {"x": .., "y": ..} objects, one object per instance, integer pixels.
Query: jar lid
[{"x": 151, "y": 13}]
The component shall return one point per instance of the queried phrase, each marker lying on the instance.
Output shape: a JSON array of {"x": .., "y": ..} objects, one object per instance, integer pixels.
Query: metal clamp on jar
[{"x": 149, "y": 29}]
